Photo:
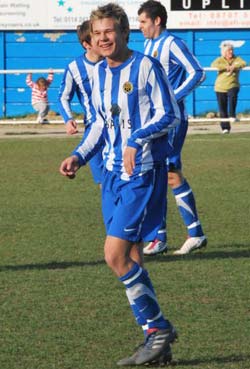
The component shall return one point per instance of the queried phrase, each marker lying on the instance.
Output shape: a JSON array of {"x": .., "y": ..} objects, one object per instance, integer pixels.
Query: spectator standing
[
  {"x": 135, "y": 108},
  {"x": 77, "y": 79},
  {"x": 227, "y": 84},
  {"x": 184, "y": 73},
  {"x": 39, "y": 95}
]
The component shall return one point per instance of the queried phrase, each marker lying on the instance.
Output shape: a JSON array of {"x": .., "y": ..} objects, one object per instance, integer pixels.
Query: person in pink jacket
[{"x": 39, "y": 95}]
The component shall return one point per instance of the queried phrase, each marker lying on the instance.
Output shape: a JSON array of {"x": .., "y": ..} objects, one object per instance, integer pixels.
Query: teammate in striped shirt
[
  {"x": 39, "y": 95},
  {"x": 135, "y": 109},
  {"x": 184, "y": 73},
  {"x": 77, "y": 80}
]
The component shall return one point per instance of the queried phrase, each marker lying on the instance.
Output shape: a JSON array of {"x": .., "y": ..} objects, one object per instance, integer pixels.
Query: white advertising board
[{"x": 67, "y": 14}]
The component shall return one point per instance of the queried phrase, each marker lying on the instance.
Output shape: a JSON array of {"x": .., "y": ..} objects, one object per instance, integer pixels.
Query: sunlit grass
[{"x": 62, "y": 308}]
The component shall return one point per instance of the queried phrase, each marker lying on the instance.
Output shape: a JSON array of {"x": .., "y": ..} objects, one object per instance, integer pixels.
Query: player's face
[
  {"x": 94, "y": 50},
  {"x": 108, "y": 37},
  {"x": 148, "y": 26}
]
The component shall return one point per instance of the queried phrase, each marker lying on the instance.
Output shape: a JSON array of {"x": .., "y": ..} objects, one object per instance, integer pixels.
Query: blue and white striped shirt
[
  {"x": 77, "y": 79},
  {"x": 183, "y": 69},
  {"x": 135, "y": 106}
]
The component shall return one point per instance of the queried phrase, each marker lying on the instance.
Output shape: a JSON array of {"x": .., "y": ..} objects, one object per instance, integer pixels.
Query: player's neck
[
  {"x": 115, "y": 61},
  {"x": 92, "y": 56},
  {"x": 158, "y": 32}
]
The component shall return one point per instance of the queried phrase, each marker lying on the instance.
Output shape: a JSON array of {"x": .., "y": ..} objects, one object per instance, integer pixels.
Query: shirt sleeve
[
  {"x": 66, "y": 93},
  {"x": 94, "y": 140},
  {"x": 180, "y": 54},
  {"x": 29, "y": 81},
  {"x": 166, "y": 114}
]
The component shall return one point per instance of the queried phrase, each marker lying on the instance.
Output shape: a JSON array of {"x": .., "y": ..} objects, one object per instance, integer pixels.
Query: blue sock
[
  {"x": 186, "y": 204},
  {"x": 142, "y": 299},
  {"x": 162, "y": 233},
  {"x": 140, "y": 320}
]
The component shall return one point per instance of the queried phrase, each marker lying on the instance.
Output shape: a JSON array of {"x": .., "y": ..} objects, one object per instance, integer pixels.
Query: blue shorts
[
  {"x": 96, "y": 167},
  {"x": 133, "y": 210},
  {"x": 177, "y": 137}
]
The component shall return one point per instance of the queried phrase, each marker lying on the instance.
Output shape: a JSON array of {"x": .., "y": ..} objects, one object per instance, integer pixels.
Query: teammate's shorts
[
  {"x": 177, "y": 137},
  {"x": 96, "y": 167},
  {"x": 133, "y": 210}
]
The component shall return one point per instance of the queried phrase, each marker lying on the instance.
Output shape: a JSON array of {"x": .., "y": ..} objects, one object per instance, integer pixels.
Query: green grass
[{"x": 62, "y": 308}]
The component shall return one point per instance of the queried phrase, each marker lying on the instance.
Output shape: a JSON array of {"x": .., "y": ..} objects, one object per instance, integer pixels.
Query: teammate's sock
[
  {"x": 140, "y": 292},
  {"x": 186, "y": 204}
]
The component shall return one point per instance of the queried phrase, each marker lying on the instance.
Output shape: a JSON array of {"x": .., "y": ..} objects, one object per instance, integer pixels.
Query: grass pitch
[{"x": 62, "y": 308}]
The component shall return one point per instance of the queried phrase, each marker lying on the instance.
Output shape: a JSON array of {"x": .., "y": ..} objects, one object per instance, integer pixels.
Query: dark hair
[
  {"x": 83, "y": 32},
  {"x": 154, "y": 9}
]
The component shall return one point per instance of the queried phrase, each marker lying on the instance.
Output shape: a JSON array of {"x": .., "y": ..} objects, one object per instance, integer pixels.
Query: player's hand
[
  {"x": 129, "y": 159},
  {"x": 69, "y": 167},
  {"x": 71, "y": 127}
]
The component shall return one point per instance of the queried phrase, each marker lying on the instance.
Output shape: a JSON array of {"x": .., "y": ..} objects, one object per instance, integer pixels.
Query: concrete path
[{"x": 58, "y": 130}]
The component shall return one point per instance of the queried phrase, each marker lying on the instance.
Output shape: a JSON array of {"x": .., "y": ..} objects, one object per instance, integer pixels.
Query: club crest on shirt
[
  {"x": 128, "y": 87},
  {"x": 155, "y": 53}
]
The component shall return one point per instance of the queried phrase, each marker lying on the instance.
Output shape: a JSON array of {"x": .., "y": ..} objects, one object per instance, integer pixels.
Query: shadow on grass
[
  {"x": 201, "y": 255},
  {"x": 162, "y": 258},
  {"x": 216, "y": 360},
  {"x": 52, "y": 265}
]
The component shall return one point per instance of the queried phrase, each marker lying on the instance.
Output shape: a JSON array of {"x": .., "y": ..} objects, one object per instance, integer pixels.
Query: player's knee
[{"x": 110, "y": 259}]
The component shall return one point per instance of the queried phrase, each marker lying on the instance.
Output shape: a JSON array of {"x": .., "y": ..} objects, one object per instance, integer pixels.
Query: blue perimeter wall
[{"x": 53, "y": 49}]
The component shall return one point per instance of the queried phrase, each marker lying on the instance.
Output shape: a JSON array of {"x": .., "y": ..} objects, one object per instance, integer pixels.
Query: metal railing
[{"x": 60, "y": 121}]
